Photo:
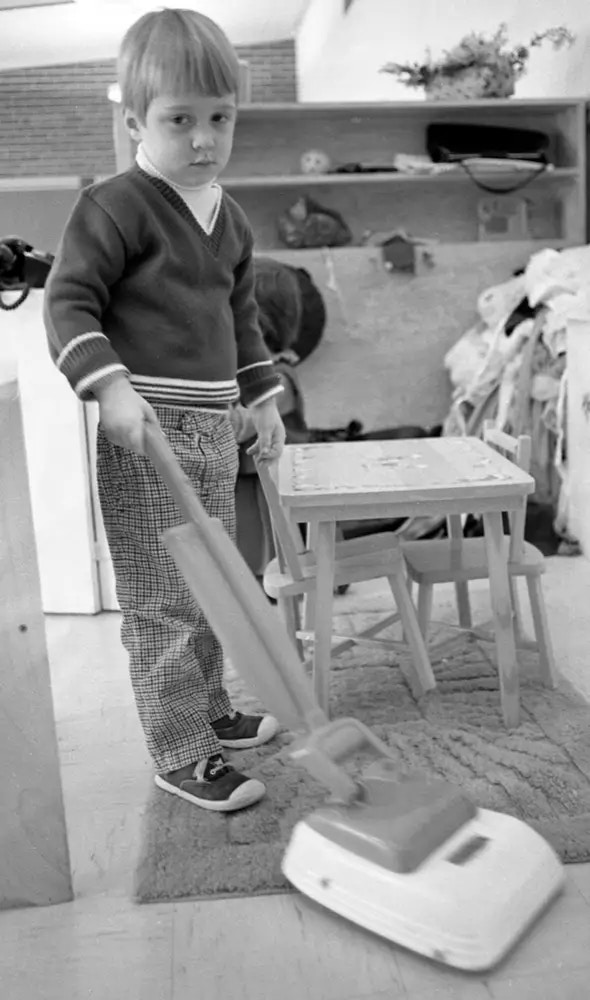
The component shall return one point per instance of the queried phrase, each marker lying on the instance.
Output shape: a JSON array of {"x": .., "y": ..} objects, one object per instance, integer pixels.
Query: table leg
[
  {"x": 455, "y": 526},
  {"x": 503, "y": 620},
  {"x": 308, "y": 603},
  {"x": 324, "y": 596}
]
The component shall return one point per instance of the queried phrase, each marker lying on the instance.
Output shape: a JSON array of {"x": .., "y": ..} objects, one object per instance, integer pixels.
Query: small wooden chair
[
  {"x": 457, "y": 559},
  {"x": 291, "y": 575}
]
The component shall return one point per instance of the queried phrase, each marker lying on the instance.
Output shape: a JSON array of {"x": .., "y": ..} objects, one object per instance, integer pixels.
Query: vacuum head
[{"x": 466, "y": 904}]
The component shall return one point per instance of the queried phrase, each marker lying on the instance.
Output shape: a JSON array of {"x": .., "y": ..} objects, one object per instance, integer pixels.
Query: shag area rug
[{"x": 539, "y": 772}]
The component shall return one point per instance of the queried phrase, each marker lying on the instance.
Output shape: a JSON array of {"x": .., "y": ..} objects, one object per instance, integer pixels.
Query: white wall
[
  {"x": 318, "y": 27},
  {"x": 57, "y": 462},
  {"x": 373, "y": 32}
]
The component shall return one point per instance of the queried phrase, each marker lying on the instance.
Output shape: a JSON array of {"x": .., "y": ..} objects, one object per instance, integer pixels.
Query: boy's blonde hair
[{"x": 174, "y": 51}]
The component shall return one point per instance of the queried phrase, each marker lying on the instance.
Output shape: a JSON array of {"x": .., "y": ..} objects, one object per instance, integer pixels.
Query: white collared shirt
[{"x": 204, "y": 201}]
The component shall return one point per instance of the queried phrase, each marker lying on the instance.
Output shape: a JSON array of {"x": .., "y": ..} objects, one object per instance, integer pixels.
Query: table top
[{"x": 405, "y": 470}]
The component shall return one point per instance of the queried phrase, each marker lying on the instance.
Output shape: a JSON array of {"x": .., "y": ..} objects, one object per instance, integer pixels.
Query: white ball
[{"x": 314, "y": 161}]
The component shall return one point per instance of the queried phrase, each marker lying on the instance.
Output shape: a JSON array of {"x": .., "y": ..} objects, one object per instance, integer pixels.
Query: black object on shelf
[
  {"x": 364, "y": 168},
  {"x": 448, "y": 142}
]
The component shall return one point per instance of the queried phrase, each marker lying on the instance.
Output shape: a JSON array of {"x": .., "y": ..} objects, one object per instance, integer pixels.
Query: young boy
[{"x": 150, "y": 310}]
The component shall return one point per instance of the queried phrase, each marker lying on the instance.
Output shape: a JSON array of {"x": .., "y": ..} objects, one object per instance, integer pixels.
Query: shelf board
[
  {"x": 418, "y": 108},
  {"x": 312, "y": 180},
  {"x": 480, "y": 249},
  {"x": 530, "y": 246}
]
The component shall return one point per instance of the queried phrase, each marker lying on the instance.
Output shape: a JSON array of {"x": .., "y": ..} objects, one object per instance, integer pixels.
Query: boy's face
[{"x": 187, "y": 138}]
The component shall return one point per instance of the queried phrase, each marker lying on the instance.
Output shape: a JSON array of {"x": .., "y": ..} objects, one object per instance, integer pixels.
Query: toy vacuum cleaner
[{"x": 408, "y": 858}]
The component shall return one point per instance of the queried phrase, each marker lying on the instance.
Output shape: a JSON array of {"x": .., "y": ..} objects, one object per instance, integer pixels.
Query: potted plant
[{"x": 479, "y": 66}]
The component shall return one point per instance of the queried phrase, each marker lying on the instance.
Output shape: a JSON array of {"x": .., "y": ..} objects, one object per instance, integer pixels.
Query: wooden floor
[{"x": 102, "y": 947}]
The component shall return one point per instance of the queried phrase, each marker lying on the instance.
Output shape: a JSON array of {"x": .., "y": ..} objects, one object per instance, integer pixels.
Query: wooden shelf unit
[{"x": 264, "y": 174}]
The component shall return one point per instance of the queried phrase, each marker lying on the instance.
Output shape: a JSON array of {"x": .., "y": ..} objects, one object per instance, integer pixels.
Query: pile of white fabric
[{"x": 510, "y": 367}]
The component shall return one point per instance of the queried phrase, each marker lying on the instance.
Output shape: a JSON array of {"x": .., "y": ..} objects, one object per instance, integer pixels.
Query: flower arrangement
[{"x": 488, "y": 62}]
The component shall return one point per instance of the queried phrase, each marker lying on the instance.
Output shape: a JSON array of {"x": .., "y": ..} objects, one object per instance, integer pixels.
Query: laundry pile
[{"x": 510, "y": 367}]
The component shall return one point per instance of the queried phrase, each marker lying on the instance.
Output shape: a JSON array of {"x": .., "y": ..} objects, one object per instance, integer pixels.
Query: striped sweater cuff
[
  {"x": 88, "y": 361},
  {"x": 269, "y": 394},
  {"x": 257, "y": 380}
]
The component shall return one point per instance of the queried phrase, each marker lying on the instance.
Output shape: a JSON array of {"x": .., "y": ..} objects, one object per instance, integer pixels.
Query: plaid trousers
[{"x": 175, "y": 660}]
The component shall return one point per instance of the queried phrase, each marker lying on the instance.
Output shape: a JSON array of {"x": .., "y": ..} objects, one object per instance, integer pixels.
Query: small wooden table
[{"x": 321, "y": 484}]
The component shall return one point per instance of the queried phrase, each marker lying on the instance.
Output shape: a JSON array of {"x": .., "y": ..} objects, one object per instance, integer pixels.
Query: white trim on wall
[
  {"x": 44, "y": 183},
  {"x": 38, "y": 183},
  {"x": 19, "y": 4}
]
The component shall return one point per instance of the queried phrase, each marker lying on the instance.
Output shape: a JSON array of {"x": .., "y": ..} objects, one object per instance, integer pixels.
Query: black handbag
[{"x": 449, "y": 142}]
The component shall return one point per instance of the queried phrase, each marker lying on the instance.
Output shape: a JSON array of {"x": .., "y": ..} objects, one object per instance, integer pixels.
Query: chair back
[
  {"x": 517, "y": 450},
  {"x": 288, "y": 542}
]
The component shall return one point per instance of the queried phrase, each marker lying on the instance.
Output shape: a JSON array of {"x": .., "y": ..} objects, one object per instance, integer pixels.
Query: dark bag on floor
[
  {"x": 538, "y": 530},
  {"x": 313, "y": 315}
]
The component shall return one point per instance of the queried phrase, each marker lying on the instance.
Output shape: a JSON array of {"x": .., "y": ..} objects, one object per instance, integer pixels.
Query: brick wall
[{"x": 56, "y": 120}]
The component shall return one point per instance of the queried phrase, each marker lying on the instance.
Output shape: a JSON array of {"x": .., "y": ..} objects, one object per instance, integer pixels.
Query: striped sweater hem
[
  {"x": 215, "y": 396},
  {"x": 185, "y": 392}
]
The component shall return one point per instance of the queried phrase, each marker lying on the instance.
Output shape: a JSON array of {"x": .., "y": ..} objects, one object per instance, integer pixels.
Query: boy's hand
[
  {"x": 124, "y": 413},
  {"x": 270, "y": 430},
  {"x": 241, "y": 420}
]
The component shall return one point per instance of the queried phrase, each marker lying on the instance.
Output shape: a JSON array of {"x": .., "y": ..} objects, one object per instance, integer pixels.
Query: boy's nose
[{"x": 202, "y": 140}]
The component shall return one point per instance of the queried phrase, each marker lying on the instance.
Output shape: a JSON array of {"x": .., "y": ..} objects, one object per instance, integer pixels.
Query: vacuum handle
[
  {"x": 234, "y": 604},
  {"x": 276, "y": 666},
  {"x": 325, "y": 748},
  {"x": 342, "y": 738}
]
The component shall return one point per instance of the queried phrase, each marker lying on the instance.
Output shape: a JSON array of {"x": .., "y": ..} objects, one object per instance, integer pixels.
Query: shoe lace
[{"x": 218, "y": 767}]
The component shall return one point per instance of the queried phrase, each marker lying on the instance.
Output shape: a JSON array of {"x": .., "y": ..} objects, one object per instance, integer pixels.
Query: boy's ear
[{"x": 132, "y": 123}]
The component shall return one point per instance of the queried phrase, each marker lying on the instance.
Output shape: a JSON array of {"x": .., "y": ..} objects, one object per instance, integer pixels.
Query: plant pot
[{"x": 473, "y": 83}]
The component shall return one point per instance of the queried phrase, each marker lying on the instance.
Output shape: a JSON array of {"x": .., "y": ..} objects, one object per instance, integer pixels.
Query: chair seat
[
  {"x": 355, "y": 560},
  {"x": 443, "y": 559}
]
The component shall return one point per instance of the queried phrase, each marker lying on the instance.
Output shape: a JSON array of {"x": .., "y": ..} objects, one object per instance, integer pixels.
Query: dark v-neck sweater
[{"x": 139, "y": 287}]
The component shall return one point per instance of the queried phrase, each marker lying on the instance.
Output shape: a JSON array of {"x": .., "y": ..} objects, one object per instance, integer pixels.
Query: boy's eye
[
  {"x": 179, "y": 119},
  {"x": 220, "y": 118}
]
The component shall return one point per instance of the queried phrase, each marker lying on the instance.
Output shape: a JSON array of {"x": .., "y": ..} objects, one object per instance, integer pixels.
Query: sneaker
[
  {"x": 212, "y": 784},
  {"x": 239, "y": 732}
]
